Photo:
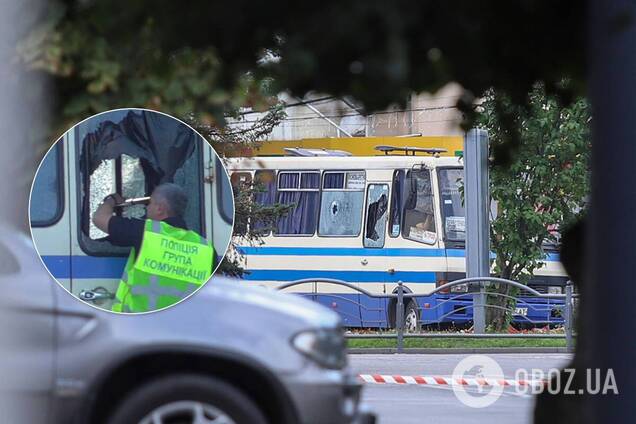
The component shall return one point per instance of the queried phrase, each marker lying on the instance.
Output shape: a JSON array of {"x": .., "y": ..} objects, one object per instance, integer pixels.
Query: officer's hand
[{"x": 114, "y": 199}]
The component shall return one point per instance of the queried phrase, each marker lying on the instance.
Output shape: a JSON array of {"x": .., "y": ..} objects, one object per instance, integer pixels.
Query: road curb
[{"x": 392, "y": 350}]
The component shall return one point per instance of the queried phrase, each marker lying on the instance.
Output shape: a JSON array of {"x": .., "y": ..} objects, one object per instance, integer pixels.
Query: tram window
[
  {"x": 125, "y": 175},
  {"x": 105, "y": 180},
  {"x": 376, "y": 217},
  {"x": 341, "y": 204},
  {"x": 188, "y": 176},
  {"x": 301, "y": 189},
  {"x": 397, "y": 202},
  {"x": 453, "y": 213},
  {"x": 133, "y": 185},
  {"x": 133, "y": 163},
  {"x": 333, "y": 180},
  {"x": 419, "y": 216},
  {"x": 224, "y": 194},
  {"x": 47, "y": 198},
  {"x": 241, "y": 182},
  {"x": 265, "y": 195}
]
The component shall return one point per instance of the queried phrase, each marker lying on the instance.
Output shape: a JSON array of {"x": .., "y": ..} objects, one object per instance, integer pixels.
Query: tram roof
[{"x": 331, "y": 162}]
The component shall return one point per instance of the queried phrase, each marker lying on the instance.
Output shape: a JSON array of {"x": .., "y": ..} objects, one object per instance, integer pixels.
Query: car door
[
  {"x": 27, "y": 332},
  {"x": 27, "y": 304}
]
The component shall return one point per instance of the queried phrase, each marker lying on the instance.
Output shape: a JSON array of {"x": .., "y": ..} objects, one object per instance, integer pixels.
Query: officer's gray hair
[{"x": 175, "y": 198}]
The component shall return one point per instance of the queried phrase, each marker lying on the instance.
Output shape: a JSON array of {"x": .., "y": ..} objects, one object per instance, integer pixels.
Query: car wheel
[
  {"x": 187, "y": 399},
  {"x": 410, "y": 317}
]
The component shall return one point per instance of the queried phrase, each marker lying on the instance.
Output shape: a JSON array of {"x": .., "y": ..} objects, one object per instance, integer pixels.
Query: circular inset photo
[{"x": 131, "y": 211}]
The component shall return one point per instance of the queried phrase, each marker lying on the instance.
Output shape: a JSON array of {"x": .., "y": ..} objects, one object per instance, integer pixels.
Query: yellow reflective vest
[{"x": 172, "y": 263}]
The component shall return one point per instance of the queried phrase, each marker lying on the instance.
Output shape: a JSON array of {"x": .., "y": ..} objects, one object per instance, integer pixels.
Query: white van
[{"x": 72, "y": 181}]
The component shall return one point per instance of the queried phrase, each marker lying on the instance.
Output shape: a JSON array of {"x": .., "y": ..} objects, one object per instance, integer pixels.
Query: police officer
[{"x": 167, "y": 261}]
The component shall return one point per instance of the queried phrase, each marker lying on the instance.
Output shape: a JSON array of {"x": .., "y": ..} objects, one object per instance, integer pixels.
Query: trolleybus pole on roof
[{"x": 476, "y": 196}]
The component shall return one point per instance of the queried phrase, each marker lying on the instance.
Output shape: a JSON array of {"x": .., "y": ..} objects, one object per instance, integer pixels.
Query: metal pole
[
  {"x": 322, "y": 115},
  {"x": 476, "y": 198},
  {"x": 410, "y": 114},
  {"x": 568, "y": 317},
  {"x": 607, "y": 306},
  {"x": 399, "y": 317}
]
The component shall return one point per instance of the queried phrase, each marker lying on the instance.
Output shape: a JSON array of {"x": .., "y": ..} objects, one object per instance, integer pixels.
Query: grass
[{"x": 454, "y": 343}]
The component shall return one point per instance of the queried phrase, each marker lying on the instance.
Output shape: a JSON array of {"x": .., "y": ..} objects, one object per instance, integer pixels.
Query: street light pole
[{"x": 476, "y": 197}]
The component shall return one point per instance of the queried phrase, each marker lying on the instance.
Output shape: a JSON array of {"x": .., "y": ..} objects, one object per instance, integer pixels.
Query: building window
[
  {"x": 341, "y": 203},
  {"x": 302, "y": 189}
]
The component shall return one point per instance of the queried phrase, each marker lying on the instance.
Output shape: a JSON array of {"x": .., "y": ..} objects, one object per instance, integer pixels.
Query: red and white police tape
[{"x": 445, "y": 381}]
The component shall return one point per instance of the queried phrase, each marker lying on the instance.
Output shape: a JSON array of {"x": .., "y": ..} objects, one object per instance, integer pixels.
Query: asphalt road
[{"x": 406, "y": 404}]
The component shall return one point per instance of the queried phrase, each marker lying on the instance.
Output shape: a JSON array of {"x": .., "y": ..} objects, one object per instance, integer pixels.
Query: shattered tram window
[
  {"x": 377, "y": 201},
  {"x": 131, "y": 156},
  {"x": 341, "y": 204},
  {"x": 102, "y": 183},
  {"x": 395, "y": 218},
  {"x": 133, "y": 185}
]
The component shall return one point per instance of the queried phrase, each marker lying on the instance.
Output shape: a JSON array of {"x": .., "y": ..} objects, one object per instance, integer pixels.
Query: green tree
[
  {"x": 100, "y": 61},
  {"x": 182, "y": 58},
  {"x": 232, "y": 140},
  {"x": 204, "y": 59},
  {"x": 377, "y": 52},
  {"x": 543, "y": 189}
]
